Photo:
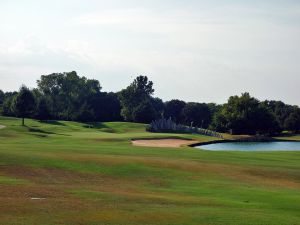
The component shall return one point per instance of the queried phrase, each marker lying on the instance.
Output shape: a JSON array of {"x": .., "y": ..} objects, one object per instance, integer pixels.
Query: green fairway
[{"x": 71, "y": 173}]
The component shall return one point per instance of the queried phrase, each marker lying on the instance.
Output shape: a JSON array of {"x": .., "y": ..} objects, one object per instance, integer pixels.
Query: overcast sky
[{"x": 195, "y": 50}]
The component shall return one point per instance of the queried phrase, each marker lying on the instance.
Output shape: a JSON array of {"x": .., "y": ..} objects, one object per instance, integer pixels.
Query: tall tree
[
  {"x": 1, "y": 101},
  {"x": 43, "y": 112},
  {"x": 136, "y": 98},
  {"x": 106, "y": 106},
  {"x": 280, "y": 110},
  {"x": 23, "y": 104},
  {"x": 173, "y": 110},
  {"x": 158, "y": 106},
  {"x": 67, "y": 93},
  {"x": 6, "y": 107},
  {"x": 144, "y": 112},
  {"x": 292, "y": 122},
  {"x": 84, "y": 114},
  {"x": 245, "y": 115},
  {"x": 196, "y": 114},
  {"x": 7, "y": 102},
  {"x": 1, "y": 97}
]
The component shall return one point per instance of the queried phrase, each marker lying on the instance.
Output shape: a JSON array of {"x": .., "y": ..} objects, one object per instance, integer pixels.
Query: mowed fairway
[{"x": 67, "y": 173}]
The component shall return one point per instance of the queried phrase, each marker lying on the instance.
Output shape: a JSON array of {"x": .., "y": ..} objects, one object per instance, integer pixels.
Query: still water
[{"x": 252, "y": 146}]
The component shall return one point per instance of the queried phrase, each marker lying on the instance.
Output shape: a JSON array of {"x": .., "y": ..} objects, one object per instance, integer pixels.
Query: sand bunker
[
  {"x": 1, "y": 126},
  {"x": 167, "y": 143}
]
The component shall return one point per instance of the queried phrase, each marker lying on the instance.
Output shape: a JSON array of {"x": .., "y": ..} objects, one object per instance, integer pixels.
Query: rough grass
[{"x": 94, "y": 176}]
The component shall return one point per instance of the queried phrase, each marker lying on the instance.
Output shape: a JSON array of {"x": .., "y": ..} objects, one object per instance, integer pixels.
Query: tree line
[{"x": 68, "y": 96}]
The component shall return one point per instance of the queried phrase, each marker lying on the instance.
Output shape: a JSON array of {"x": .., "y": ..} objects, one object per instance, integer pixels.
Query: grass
[{"x": 92, "y": 175}]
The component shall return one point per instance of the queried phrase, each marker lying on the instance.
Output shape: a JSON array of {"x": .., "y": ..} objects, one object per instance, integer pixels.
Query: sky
[{"x": 194, "y": 50}]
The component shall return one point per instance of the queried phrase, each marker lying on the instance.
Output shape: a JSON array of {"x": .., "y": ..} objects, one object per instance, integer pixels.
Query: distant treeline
[{"x": 67, "y": 96}]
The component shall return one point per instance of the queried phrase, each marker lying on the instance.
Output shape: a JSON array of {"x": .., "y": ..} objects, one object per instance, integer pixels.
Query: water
[{"x": 252, "y": 146}]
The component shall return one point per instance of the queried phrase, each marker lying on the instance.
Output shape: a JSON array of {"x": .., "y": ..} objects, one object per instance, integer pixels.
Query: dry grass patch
[{"x": 198, "y": 169}]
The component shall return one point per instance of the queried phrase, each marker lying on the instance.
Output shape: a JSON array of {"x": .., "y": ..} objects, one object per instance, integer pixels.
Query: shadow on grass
[
  {"x": 41, "y": 135},
  {"x": 52, "y": 122},
  {"x": 101, "y": 126},
  {"x": 97, "y": 125},
  {"x": 36, "y": 130}
]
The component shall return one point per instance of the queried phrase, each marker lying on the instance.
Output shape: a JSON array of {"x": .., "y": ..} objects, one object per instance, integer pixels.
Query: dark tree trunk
[{"x": 23, "y": 123}]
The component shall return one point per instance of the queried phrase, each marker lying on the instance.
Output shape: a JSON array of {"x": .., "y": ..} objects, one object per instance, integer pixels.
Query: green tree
[
  {"x": 7, "y": 102},
  {"x": 84, "y": 114},
  {"x": 220, "y": 121},
  {"x": 280, "y": 110},
  {"x": 292, "y": 122},
  {"x": 266, "y": 122},
  {"x": 245, "y": 115},
  {"x": 1, "y": 97},
  {"x": 196, "y": 114},
  {"x": 67, "y": 92},
  {"x": 106, "y": 106},
  {"x": 136, "y": 98},
  {"x": 43, "y": 112},
  {"x": 6, "y": 107},
  {"x": 23, "y": 103},
  {"x": 158, "y": 106},
  {"x": 144, "y": 112},
  {"x": 173, "y": 110}
]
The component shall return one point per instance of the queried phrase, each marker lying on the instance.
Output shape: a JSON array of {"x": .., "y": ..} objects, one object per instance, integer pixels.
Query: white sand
[{"x": 167, "y": 143}]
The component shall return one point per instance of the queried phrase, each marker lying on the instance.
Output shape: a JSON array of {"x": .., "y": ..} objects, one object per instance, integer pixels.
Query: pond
[{"x": 252, "y": 146}]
